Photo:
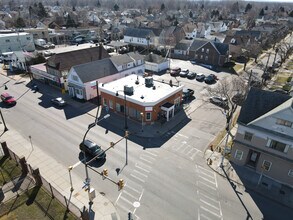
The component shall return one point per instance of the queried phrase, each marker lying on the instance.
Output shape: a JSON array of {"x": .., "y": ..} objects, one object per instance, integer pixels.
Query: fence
[{"x": 39, "y": 180}]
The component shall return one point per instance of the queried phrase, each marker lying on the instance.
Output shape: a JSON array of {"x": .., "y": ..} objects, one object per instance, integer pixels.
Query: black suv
[{"x": 93, "y": 149}]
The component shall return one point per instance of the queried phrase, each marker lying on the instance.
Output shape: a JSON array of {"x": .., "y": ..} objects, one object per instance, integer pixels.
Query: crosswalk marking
[
  {"x": 212, "y": 182},
  {"x": 139, "y": 167},
  {"x": 211, "y": 187},
  {"x": 140, "y": 173},
  {"x": 213, "y": 213},
  {"x": 129, "y": 194},
  {"x": 137, "y": 178},
  {"x": 209, "y": 204},
  {"x": 145, "y": 160},
  {"x": 208, "y": 197},
  {"x": 126, "y": 200},
  {"x": 153, "y": 154}
]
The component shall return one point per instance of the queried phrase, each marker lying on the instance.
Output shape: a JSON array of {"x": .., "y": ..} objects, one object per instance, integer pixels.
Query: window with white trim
[
  {"x": 284, "y": 122},
  {"x": 148, "y": 116},
  {"x": 110, "y": 104},
  {"x": 266, "y": 165},
  {"x": 104, "y": 102},
  {"x": 276, "y": 145},
  {"x": 248, "y": 136},
  {"x": 202, "y": 49},
  {"x": 201, "y": 57},
  {"x": 238, "y": 155},
  {"x": 117, "y": 107},
  {"x": 206, "y": 58},
  {"x": 208, "y": 50},
  {"x": 290, "y": 173}
]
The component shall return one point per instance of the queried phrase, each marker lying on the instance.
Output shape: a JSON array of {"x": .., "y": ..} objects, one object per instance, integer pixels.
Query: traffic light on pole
[
  {"x": 121, "y": 184},
  {"x": 105, "y": 172}
]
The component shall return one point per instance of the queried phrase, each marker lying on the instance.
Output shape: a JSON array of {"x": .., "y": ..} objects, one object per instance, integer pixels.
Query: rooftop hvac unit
[
  {"x": 128, "y": 90},
  {"x": 149, "y": 82}
]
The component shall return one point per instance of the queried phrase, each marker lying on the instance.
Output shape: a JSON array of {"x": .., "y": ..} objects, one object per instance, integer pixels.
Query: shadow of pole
[{"x": 237, "y": 194}]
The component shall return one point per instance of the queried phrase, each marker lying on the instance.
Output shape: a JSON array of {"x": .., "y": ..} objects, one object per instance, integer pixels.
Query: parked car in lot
[
  {"x": 60, "y": 102},
  {"x": 191, "y": 75},
  {"x": 187, "y": 93},
  {"x": 175, "y": 71},
  {"x": 183, "y": 72},
  {"x": 209, "y": 79},
  {"x": 92, "y": 149},
  {"x": 200, "y": 77},
  {"x": 192, "y": 61},
  {"x": 8, "y": 99},
  {"x": 219, "y": 101}
]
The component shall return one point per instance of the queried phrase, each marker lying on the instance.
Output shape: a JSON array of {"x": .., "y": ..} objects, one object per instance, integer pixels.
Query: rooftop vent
[
  {"x": 149, "y": 82},
  {"x": 128, "y": 90},
  {"x": 154, "y": 87}
]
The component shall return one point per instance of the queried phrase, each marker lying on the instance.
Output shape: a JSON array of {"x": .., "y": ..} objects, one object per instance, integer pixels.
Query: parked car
[
  {"x": 192, "y": 61},
  {"x": 92, "y": 149},
  {"x": 58, "y": 101},
  {"x": 8, "y": 99},
  {"x": 175, "y": 71},
  {"x": 209, "y": 79},
  {"x": 191, "y": 75},
  {"x": 219, "y": 101},
  {"x": 214, "y": 76},
  {"x": 183, "y": 72},
  {"x": 187, "y": 93},
  {"x": 200, "y": 77}
]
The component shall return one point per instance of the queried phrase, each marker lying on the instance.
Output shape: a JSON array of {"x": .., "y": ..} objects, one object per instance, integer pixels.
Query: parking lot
[{"x": 198, "y": 87}]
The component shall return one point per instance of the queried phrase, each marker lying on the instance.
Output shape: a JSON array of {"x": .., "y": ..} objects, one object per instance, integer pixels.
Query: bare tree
[{"x": 233, "y": 90}]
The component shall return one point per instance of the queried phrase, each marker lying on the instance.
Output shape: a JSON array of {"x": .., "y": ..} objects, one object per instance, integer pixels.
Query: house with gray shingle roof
[
  {"x": 203, "y": 51},
  {"x": 83, "y": 80},
  {"x": 139, "y": 36},
  {"x": 156, "y": 63},
  {"x": 264, "y": 138}
]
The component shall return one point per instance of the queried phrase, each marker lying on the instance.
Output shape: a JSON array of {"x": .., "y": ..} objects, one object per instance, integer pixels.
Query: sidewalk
[{"x": 58, "y": 175}]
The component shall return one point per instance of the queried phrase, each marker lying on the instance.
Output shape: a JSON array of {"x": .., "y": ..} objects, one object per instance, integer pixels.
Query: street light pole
[{"x": 87, "y": 179}]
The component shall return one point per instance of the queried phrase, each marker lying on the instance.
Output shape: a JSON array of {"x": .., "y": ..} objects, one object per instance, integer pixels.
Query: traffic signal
[
  {"x": 121, "y": 184},
  {"x": 105, "y": 172}
]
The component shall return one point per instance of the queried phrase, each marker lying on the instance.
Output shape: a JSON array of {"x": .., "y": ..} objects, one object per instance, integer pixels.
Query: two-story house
[
  {"x": 84, "y": 79},
  {"x": 140, "y": 37},
  {"x": 209, "y": 52},
  {"x": 264, "y": 139}
]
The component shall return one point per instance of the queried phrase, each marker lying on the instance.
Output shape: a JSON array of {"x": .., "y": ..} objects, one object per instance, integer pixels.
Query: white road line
[
  {"x": 208, "y": 180},
  {"x": 139, "y": 167},
  {"x": 205, "y": 169},
  {"x": 126, "y": 200},
  {"x": 181, "y": 135},
  {"x": 133, "y": 189},
  {"x": 145, "y": 166},
  {"x": 124, "y": 208},
  {"x": 153, "y": 154},
  {"x": 215, "y": 214},
  {"x": 216, "y": 180},
  {"x": 190, "y": 150},
  {"x": 206, "y": 174},
  {"x": 205, "y": 217},
  {"x": 193, "y": 155},
  {"x": 208, "y": 197},
  {"x": 145, "y": 160},
  {"x": 211, "y": 187},
  {"x": 139, "y": 200},
  {"x": 129, "y": 194},
  {"x": 148, "y": 157},
  {"x": 181, "y": 146},
  {"x": 137, "y": 178},
  {"x": 209, "y": 204},
  {"x": 140, "y": 173},
  {"x": 118, "y": 197}
]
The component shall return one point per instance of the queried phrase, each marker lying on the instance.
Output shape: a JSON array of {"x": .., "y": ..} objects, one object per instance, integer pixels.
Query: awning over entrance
[{"x": 168, "y": 110}]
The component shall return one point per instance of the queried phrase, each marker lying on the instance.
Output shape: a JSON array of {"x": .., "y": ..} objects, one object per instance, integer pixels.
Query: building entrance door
[{"x": 253, "y": 158}]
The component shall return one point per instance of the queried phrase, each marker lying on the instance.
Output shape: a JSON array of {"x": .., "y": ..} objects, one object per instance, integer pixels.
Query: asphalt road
[{"x": 169, "y": 182}]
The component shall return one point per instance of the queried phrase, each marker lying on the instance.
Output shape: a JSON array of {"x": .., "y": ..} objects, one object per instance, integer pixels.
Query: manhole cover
[{"x": 136, "y": 204}]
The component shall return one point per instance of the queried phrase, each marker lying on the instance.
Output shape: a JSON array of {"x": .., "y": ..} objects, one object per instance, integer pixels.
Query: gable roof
[
  {"x": 138, "y": 32},
  {"x": 197, "y": 43},
  {"x": 154, "y": 58},
  {"x": 258, "y": 103},
  {"x": 121, "y": 59},
  {"x": 135, "y": 55},
  {"x": 64, "y": 61},
  {"x": 88, "y": 72},
  {"x": 222, "y": 48},
  {"x": 183, "y": 45}
]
